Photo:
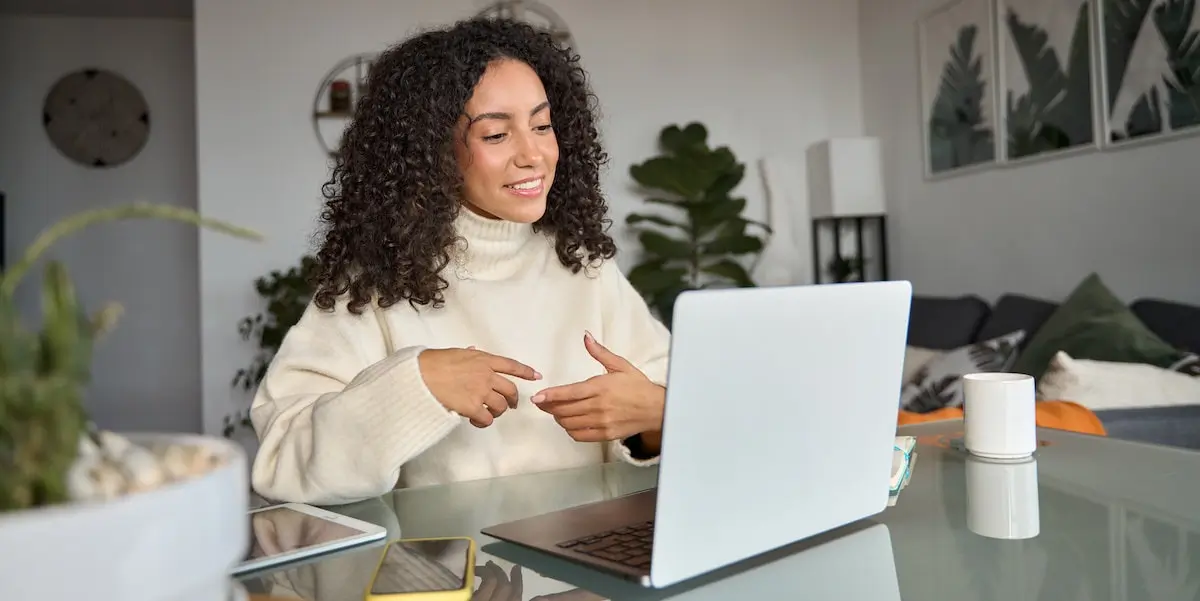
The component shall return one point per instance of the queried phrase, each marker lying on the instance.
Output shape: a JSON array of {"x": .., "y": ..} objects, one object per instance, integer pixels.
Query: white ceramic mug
[
  {"x": 999, "y": 421},
  {"x": 1002, "y": 498}
]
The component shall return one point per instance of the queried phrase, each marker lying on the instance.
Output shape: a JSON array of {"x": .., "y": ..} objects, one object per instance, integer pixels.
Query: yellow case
[{"x": 463, "y": 594}]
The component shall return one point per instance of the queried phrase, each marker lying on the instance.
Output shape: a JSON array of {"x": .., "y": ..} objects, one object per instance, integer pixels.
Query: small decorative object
[
  {"x": 340, "y": 96},
  {"x": 95, "y": 501},
  {"x": 845, "y": 177},
  {"x": 1150, "y": 68},
  {"x": 334, "y": 102},
  {"x": 1046, "y": 67},
  {"x": 534, "y": 13},
  {"x": 958, "y": 87},
  {"x": 96, "y": 118},
  {"x": 701, "y": 246}
]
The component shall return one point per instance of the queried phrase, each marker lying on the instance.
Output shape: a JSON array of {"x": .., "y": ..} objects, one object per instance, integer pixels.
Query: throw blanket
[{"x": 1059, "y": 415}]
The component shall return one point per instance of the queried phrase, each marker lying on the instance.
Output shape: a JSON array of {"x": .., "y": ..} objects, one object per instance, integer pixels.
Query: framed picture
[
  {"x": 1150, "y": 57},
  {"x": 958, "y": 96},
  {"x": 1048, "y": 74}
]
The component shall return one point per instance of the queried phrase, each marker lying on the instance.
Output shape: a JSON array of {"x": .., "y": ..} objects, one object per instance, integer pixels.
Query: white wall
[
  {"x": 1132, "y": 216},
  {"x": 766, "y": 77},
  {"x": 145, "y": 372}
]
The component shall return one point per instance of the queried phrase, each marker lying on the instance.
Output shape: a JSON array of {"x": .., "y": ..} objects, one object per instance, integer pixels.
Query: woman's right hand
[{"x": 470, "y": 383}]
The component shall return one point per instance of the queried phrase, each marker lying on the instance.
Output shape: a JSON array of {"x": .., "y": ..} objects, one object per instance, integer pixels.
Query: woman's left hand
[{"x": 612, "y": 406}]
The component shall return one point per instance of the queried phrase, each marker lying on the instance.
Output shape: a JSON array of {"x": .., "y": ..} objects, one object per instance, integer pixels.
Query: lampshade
[{"x": 845, "y": 178}]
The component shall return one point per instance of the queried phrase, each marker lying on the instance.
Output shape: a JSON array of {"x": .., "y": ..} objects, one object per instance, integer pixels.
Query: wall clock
[{"x": 96, "y": 118}]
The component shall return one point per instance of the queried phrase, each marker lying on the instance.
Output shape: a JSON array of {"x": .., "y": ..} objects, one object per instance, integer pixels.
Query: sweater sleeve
[
  {"x": 633, "y": 332},
  {"x": 339, "y": 412}
]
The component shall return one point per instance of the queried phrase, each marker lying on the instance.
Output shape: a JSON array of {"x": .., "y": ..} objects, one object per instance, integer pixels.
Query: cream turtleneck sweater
[{"x": 343, "y": 413}]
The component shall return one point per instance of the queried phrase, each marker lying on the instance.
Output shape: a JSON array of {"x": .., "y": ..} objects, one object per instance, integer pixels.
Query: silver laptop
[{"x": 780, "y": 421}]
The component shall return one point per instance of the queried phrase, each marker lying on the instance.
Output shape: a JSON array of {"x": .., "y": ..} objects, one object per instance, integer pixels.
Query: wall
[
  {"x": 767, "y": 77},
  {"x": 145, "y": 371},
  {"x": 1036, "y": 229}
]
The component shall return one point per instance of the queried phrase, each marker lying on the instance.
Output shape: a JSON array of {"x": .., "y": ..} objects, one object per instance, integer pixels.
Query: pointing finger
[{"x": 610, "y": 360}]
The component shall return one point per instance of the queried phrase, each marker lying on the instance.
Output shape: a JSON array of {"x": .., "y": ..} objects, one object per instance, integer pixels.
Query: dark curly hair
[{"x": 396, "y": 188}]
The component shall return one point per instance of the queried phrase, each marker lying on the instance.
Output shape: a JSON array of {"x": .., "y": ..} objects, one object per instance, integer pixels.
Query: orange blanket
[{"x": 1059, "y": 415}]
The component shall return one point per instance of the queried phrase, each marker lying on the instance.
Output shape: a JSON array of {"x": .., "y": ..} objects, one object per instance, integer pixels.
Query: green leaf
[
  {"x": 733, "y": 245},
  {"x": 634, "y": 219},
  {"x": 677, "y": 140},
  {"x": 958, "y": 135},
  {"x": 66, "y": 339},
  {"x": 666, "y": 173},
  {"x": 652, "y": 277},
  {"x": 726, "y": 182},
  {"x": 731, "y": 270},
  {"x": 663, "y": 246},
  {"x": 707, "y": 215}
]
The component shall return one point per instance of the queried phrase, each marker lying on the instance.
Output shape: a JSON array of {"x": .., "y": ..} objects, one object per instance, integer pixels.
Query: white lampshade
[{"x": 845, "y": 178}]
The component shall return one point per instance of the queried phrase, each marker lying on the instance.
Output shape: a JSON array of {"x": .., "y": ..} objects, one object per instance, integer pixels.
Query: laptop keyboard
[{"x": 629, "y": 545}]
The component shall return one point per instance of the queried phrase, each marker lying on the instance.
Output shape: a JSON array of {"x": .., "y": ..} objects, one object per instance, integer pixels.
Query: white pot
[{"x": 175, "y": 543}]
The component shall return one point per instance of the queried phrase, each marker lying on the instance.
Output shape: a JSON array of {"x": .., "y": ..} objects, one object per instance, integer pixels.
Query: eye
[
  {"x": 494, "y": 137},
  {"x": 544, "y": 128}
]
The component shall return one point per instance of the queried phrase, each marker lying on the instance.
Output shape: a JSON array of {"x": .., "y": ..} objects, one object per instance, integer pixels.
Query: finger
[
  {"x": 512, "y": 367},
  {"x": 610, "y": 360},
  {"x": 481, "y": 417},
  {"x": 488, "y": 586},
  {"x": 582, "y": 422},
  {"x": 496, "y": 404},
  {"x": 506, "y": 388},
  {"x": 561, "y": 409},
  {"x": 518, "y": 582},
  {"x": 570, "y": 392},
  {"x": 590, "y": 435}
]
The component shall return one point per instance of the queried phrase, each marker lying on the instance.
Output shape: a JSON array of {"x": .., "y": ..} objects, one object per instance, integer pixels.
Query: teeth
[{"x": 530, "y": 185}]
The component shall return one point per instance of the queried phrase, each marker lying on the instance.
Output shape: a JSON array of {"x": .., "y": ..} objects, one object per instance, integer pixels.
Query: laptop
[{"x": 779, "y": 425}]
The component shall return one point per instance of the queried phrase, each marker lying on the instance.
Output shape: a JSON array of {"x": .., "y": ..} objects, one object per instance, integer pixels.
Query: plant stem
[{"x": 12, "y": 276}]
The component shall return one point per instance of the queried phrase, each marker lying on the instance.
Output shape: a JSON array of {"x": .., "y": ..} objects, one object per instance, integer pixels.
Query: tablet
[{"x": 290, "y": 532}]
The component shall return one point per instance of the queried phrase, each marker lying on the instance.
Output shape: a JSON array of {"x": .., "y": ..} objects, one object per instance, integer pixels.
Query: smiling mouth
[{"x": 532, "y": 184}]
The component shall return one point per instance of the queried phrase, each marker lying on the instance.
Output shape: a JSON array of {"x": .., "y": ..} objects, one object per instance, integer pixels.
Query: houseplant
[
  {"x": 699, "y": 243},
  {"x": 92, "y": 504},
  {"x": 285, "y": 296}
]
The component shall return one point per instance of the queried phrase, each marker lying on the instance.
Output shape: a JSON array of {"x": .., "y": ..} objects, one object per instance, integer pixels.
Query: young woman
[{"x": 469, "y": 321}]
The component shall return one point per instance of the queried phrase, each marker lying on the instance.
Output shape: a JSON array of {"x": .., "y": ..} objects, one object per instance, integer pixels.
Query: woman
[{"x": 469, "y": 321}]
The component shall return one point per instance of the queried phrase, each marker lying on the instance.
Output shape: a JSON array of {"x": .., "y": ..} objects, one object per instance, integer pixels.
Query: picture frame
[{"x": 957, "y": 73}]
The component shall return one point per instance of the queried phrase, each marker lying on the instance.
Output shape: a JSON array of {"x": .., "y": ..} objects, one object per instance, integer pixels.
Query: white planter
[{"x": 175, "y": 543}]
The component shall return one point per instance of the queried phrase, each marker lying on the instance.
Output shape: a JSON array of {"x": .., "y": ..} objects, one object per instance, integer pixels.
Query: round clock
[{"x": 96, "y": 118}]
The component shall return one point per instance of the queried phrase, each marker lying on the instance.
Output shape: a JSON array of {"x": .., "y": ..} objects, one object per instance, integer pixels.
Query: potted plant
[
  {"x": 285, "y": 296},
  {"x": 89, "y": 514},
  {"x": 700, "y": 245}
]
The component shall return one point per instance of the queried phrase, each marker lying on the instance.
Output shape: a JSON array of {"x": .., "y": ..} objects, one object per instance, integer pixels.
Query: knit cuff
[
  {"x": 622, "y": 450},
  {"x": 403, "y": 417}
]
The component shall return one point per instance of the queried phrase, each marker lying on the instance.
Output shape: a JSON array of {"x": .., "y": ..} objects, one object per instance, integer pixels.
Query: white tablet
[{"x": 290, "y": 532}]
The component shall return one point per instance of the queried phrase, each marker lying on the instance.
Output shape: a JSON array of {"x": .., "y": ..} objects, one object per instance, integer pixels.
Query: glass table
[{"x": 1089, "y": 519}]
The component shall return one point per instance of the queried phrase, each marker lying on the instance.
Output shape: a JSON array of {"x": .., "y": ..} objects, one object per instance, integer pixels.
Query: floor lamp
[{"x": 845, "y": 181}]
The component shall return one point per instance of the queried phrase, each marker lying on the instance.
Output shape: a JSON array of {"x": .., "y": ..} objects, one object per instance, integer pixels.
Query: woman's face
[{"x": 505, "y": 144}]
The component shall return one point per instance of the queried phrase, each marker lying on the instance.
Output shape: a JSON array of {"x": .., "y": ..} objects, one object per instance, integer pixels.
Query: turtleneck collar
[{"x": 494, "y": 247}]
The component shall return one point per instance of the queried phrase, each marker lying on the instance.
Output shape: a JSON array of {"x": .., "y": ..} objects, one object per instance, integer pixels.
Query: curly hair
[{"x": 395, "y": 189}]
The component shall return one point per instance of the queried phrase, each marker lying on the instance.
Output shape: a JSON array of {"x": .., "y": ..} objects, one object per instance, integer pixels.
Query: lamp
[{"x": 845, "y": 186}]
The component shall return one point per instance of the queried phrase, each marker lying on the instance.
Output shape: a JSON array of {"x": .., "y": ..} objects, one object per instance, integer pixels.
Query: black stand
[{"x": 859, "y": 221}]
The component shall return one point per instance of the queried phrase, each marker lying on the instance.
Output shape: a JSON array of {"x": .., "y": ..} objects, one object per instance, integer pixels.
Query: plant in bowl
[{"x": 131, "y": 517}]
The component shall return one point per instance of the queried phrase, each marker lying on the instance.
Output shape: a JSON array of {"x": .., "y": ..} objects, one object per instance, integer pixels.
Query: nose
[{"x": 528, "y": 154}]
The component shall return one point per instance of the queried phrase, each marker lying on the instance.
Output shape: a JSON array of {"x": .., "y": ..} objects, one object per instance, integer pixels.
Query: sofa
[{"x": 1148, "y": 327}]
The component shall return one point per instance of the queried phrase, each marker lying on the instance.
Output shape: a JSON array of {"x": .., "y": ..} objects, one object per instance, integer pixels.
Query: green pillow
[{"x": 1094, "y": 324}]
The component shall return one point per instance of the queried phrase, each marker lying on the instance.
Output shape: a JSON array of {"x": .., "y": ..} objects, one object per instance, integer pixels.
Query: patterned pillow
[
  {"x": 938, "y": 383},
  {"x": 1189, "y": 365}
]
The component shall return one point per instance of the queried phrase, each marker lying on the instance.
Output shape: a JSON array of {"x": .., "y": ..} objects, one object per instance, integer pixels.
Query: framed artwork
[
  {"x": 1150, "y": 57},
  {"x": 958, "y": 87},
  {"x": 1047, "y": 69}
]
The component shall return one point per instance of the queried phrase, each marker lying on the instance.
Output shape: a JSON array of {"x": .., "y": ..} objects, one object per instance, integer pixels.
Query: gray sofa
[{"x": 946, "y": 323}]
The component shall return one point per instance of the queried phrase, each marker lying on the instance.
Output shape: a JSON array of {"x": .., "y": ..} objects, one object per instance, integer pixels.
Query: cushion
[
  {"x": 1100, "y": 385},
  {"x": 915, "y": 358},
  {"x": 1176, "y": 323},
  {"x": 938, "y": 383},
  {"x": 945, "y": 323},
  {"x": 1092, "y": 323},
  {"x": 1016, "y": 312}
]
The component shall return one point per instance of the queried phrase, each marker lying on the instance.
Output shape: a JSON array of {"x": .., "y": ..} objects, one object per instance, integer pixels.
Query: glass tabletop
[{"x": 1089, "y": 519}]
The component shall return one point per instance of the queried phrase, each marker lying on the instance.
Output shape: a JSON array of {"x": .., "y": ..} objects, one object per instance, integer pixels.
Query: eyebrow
[{"x": 505, "y": 116}]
